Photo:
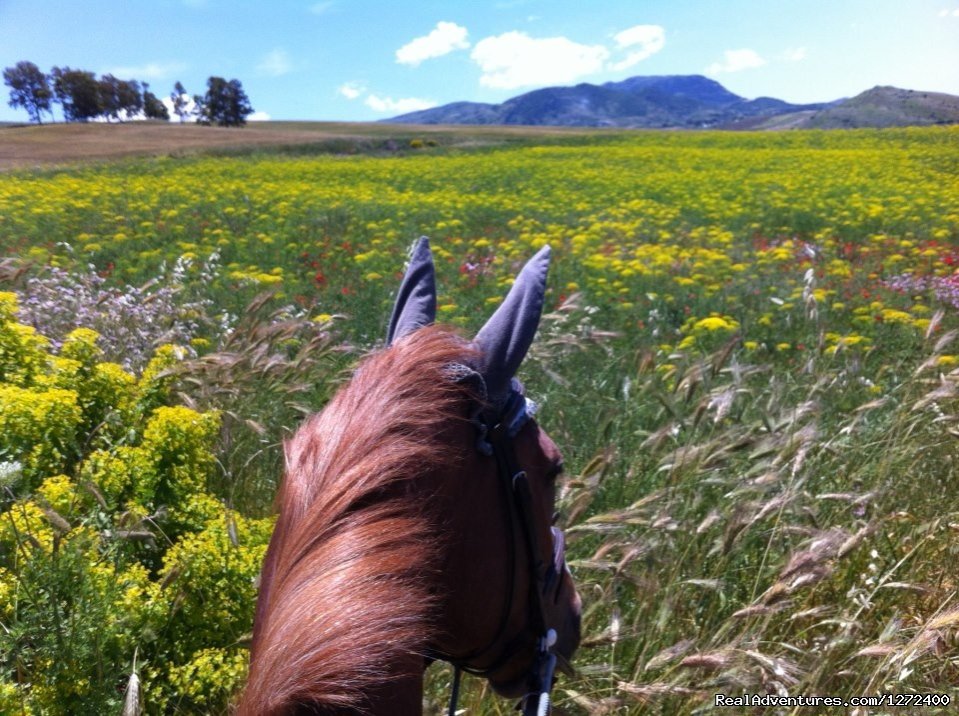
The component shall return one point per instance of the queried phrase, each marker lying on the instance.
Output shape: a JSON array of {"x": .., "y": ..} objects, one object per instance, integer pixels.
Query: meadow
[{"x": 750, "y": 361}]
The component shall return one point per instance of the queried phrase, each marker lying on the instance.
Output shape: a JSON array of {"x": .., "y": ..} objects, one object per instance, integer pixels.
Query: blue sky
[{"x": 371, "y": 59}]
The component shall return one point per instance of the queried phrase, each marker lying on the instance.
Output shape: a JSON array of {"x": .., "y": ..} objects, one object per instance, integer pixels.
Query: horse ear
[
  {"x": 508, "y": 334},
  {"x": 415, "y": 305}
]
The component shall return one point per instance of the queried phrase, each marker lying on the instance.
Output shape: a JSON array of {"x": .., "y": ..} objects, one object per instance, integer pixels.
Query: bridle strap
[
  {"x": 542, "y": 576},
  {"x": 524, "y": 502},
  {"x": 459, "y": 662},
  {"x": 519, "y": 497},
  {"x": 455, "y": 690},
  {"x": 537, "y": 701}
]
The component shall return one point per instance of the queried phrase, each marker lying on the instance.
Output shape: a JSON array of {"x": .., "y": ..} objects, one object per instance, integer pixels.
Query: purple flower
[{"x": 132, "y": 321}]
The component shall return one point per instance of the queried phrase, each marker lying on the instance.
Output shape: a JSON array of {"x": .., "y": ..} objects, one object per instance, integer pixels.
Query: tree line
[{"x": 83, "y": 97}]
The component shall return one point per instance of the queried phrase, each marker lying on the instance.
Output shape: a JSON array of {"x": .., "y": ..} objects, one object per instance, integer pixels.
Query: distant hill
[
  {"x": 888, "y": 107},
  {"x": 692, "y": 102}
]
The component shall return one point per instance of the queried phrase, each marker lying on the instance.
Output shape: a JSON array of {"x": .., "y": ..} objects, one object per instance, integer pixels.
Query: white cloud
[
  {"x": 514, "y": 59},
  {"x": 351, "y": 90},
  {"x": 258, "y": 117},
  {"x": 443, "y": 39},
  {"x": 397, "y": 106},
  {"x": 275, "y": 63},
  {"x": 646, "y": 39},
  {"x": 379, "y": 103},
  {"x": 149, "y": 71},
  {"x": 190, "y": 106},
  {"x": 736, "y": 61},
  {"x": 794, "y": 54},
  {"x": 949, "y": 13}
]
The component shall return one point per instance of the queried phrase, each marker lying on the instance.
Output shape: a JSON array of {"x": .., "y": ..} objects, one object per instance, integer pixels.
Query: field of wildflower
[{"x": 750, "y": 360}]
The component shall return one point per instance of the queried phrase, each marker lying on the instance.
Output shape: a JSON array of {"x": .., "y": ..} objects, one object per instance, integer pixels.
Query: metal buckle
[{"x": 537, "y": 703}]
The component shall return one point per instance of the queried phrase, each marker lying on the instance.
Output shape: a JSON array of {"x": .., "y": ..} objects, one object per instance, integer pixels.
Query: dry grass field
[{"x": 29, "y": 146}]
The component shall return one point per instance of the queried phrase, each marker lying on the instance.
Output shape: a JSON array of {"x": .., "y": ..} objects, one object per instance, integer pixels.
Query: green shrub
[
  {"x": 113, "y": 551},
  {"x": 22, "y": 351},
  {"x": 39, "y": 428}
]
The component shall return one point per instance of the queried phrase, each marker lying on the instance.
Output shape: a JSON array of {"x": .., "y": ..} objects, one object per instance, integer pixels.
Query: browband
[{"x": 515, "y": 411}]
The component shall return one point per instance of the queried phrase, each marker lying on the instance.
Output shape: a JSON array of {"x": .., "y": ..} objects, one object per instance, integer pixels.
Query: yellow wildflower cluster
[
  {"x": 699, "y": 221},
  {"x": 697, "y": 331},
  {"x": 113, "y": 542}
]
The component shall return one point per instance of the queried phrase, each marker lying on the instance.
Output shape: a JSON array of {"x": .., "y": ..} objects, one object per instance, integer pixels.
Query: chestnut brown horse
[{"x": 415, "y": 524}]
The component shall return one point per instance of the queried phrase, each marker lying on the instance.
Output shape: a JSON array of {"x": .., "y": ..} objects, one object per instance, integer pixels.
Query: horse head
[
  {"x": 416, "y": 521},
  {"x": 511, "y": 611}
]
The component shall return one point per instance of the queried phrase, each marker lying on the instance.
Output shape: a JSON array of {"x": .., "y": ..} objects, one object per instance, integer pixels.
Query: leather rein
[{"x": 545, "y": 578}]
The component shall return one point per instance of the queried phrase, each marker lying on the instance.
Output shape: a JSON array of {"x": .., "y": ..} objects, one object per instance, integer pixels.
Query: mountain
[
  {"x": 889, "y": 107},
  {"x": 695, "y": 87},
  {"x": 692, "y": 101}
]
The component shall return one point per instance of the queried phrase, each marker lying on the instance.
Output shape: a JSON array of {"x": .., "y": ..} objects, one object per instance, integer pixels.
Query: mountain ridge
[{"x": 690, "y": 102}]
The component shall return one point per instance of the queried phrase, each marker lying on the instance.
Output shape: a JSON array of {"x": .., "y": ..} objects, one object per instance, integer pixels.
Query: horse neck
[
  {"x": 350, "y": 585},
  {"x": 402, "y": 696},
  {"x": 343, "y": 617}
]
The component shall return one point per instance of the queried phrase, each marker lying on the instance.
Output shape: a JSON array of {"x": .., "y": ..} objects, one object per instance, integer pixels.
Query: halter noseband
[{"x": 545, "y": 579}]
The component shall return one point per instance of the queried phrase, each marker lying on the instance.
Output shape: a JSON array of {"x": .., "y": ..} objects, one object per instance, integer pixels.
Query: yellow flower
[
  {"x": 716, "y": 323},
  {"x": 892, "y": 315},
  {"x": 59, "y": 492}
]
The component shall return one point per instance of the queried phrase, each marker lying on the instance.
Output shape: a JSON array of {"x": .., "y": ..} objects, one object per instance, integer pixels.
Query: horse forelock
[{"x": 346, "y": 586}]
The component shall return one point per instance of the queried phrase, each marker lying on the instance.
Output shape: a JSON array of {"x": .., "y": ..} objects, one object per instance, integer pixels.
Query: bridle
[{"x": 545, "y": 579}]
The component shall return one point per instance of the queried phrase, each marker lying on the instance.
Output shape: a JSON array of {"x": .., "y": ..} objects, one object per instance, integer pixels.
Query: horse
[{"x": 416, "y": 524}]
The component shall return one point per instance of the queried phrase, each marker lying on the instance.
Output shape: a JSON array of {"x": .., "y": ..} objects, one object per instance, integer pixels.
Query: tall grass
[{"x": 738, "y": 529}]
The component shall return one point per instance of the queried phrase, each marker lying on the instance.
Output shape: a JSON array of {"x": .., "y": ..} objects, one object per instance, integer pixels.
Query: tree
[
  {"x": 199, "y": 109},
  {"x": 224, "y": 104},
  {"x": 29, "y": 89},
  {"x": 153, "y": 108},
  {"x": 129, "y": 98},
  {"x": 109, "y": 91},
  {"x": 78, "y": 92},
  {"x": 180, "y": 101},
  {"x": 239, "y": 104},
  {"x": 119, "y": 99},
  {"x": 58, "y": 86}
]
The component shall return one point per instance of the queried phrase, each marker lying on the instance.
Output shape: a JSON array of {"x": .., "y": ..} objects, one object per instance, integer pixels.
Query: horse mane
[{"x": 346, "y": 584}]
